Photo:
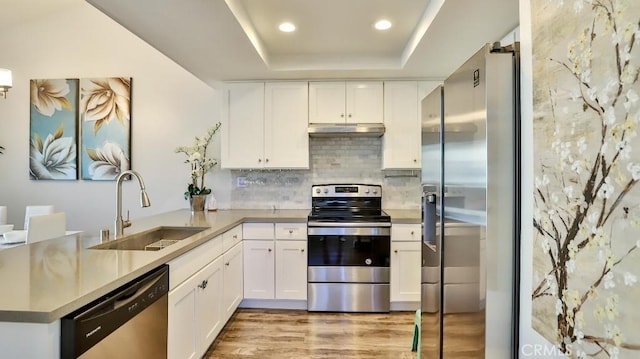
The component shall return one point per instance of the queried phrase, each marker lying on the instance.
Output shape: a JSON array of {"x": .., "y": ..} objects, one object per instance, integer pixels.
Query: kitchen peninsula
[{"x": 44, "y": 281}]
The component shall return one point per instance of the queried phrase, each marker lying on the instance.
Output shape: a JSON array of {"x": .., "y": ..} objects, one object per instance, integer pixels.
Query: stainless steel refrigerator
[{"x": 470, "y": 213}]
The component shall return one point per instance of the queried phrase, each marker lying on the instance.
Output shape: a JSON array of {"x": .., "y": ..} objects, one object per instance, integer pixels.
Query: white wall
[
  {"x": 532, "y": 344},
  {"x": 169, "y": 107}
]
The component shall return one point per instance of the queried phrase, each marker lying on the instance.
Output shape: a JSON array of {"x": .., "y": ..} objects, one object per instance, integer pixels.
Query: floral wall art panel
[
  {"x": 53, "y": 129},
  {"x": 586, "y": 261},
  {"x": 105, "y": 116}
]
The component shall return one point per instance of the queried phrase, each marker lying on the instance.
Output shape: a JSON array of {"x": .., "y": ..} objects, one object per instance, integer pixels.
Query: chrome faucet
[{"x": 121, "y": 224}]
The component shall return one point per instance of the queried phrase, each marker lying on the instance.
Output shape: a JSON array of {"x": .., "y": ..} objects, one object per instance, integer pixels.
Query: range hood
[{"x": 346, "y": 129}]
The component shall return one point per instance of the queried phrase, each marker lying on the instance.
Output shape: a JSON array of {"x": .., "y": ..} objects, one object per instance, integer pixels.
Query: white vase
[{"x": 212, "y": 205}]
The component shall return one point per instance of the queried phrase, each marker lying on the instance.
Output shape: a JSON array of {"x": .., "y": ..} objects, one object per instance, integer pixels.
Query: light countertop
[{"x": 44, "y": 281}]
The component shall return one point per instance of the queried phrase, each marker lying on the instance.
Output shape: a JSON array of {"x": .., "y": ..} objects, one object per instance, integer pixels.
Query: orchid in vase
[{"x": 199, "y": 162}]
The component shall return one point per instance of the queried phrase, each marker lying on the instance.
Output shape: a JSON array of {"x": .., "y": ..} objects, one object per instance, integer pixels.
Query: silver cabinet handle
[
  {"x": 342, "y": 115},
  {"x": 227, "y": 264},
  {"x": 235, "y": 236},
  {"x": 349, "y": 115},
  {"x": 302, "y": 250},
  {"x": 412, "y": 233},
  {"x": 395, "y": 251},
  {"x": 269, "y": 249},
  {"x": 290, "y": 231},
  {"x": 266, "y": 160}
]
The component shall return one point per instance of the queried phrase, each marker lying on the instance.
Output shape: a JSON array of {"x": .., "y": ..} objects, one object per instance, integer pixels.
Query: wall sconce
[{"x": 5, "y": 82}]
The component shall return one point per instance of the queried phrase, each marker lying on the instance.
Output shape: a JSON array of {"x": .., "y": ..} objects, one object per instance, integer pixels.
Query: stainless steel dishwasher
[{"x": 130, "y": 322}]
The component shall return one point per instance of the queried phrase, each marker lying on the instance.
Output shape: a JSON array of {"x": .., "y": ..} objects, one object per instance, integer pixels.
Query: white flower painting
[
  {"x": 105, "y": 114},
  {"x": 53, "y": 132},
  {"x": 586, "y": 262}
]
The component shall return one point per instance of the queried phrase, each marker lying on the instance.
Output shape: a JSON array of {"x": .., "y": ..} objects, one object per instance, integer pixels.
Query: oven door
[
  {"x": 348, "y": 269},
  {"x": 349, "y": 246}
]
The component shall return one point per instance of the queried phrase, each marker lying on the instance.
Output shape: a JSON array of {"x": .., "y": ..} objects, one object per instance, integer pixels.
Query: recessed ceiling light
[
  {"x": 287, "y": 27},
  {"x": 383, "y": 24}
]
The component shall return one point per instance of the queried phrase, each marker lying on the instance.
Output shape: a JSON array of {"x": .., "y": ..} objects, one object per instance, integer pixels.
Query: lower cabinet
[
  {"x": 232, "y": 280},
  {"x": 405, "y": 271},
  {"x": 201, "y": 305},
  {"x": 259, "y": 274},
  {"x": 406, "y": 262},
  {"x": 195, "y": 312},
  {"x": 275, "y": 261},
  {"x": 291, "y": 270}
]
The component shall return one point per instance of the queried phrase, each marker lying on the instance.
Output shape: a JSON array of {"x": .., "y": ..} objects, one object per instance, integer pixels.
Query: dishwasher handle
[{"x": 87, "y": 326}]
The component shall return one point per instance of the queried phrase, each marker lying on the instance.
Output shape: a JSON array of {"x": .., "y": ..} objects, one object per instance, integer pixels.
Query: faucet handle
[{"x": 126, "y": 223}]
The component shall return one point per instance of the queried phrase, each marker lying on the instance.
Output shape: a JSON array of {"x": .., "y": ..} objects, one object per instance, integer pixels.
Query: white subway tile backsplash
[{"x": 332, "y": 160}]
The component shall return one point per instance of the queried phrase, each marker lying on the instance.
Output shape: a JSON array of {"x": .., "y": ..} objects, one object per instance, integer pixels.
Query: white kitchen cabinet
[
  {"x": 242, "y": 131},
  {"x": 346, "y": 102},
  {"x": 406, "y": 261},
  {"x": 195, "y": 313},
  {"x": 232, "y": 281},
  {"x": 402, "y": 138},
  {"x": 286, "y": 137},
  {"x": 259, "y": 262},
  {"x": 265, "y": 126},
  {"x": 291, "y": 270},
  {"x": 275, "y": 261}
]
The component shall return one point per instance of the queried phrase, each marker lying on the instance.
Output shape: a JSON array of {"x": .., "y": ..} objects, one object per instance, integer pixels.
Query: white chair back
[
  {"x": 3, "y": 214},
  {"x": 46, "y": 227},
  {"x": 35, "y": 211}
]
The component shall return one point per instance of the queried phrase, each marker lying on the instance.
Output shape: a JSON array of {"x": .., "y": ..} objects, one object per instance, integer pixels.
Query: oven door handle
[
  {"x": 349, "y": 231},
  {"x": 348, "y": 225}
]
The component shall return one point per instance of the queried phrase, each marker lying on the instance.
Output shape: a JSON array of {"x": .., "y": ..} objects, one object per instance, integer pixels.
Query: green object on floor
[{"x": 416, "y": 334}]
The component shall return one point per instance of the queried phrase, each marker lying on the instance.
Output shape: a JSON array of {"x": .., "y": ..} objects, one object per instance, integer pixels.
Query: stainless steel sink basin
[{"x": 151, "y": 240}]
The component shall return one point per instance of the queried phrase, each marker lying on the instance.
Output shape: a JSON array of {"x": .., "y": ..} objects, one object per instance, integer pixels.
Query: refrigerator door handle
[{"x": 430, "y": 220}]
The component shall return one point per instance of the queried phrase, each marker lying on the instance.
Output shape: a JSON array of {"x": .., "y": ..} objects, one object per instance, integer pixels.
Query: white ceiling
[{"x": 219, "y": 40}]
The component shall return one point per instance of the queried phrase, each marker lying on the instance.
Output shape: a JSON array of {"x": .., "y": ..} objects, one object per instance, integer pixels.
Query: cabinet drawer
[
  {"x": 231, "y": 237},
  {"x": 291, "y": 231},
  {"x": 189, "y": 263},
  {"x": 406, "y": 232},
  {"x": 258, "y": 231}
]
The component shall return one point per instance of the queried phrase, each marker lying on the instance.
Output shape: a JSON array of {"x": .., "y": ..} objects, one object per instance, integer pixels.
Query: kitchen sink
[{"x": 151, "y": 240}]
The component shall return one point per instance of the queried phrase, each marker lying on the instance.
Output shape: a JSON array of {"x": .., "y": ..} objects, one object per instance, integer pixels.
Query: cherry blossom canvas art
[{"x": 586, "y": 91}]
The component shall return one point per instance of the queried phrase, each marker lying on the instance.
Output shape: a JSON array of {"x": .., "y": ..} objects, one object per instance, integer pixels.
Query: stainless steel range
[{"x": 349, "y": 240}]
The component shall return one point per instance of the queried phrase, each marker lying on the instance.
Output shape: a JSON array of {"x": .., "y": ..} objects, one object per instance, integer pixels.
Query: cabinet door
[
  {"x": 291, "y": 270},
  {"x": 232, "y": 280},
  {"x": 286, "y": 140},
  {"x": 209, "y": 304},
  {"x": 182, "y": 333},
  {"x": 364, "y": 102},
  {"x": 402, "y": 138},
  {"x": 327, "y": 102},
  {"x": 259, "y": 260},
  {"x": 405, "y": 271},
  {"x": 242, "y": 131}
]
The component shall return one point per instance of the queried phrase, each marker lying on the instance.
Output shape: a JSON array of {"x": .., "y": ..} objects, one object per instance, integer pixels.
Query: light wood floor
[{"x": 253, "y": 333}]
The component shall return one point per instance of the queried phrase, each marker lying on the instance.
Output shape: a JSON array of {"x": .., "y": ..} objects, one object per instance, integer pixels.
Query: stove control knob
[
  {"x": 375, "y": 191},
  {"x": 317, "y": 190},
  {"x": 326, "y": 190},
  {"x": 366, "y": 191}
]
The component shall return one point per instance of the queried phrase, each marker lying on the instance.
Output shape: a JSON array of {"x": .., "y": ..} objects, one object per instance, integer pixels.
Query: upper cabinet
[
  {"x": 265, "y": 126},
  {"x": 346, "y": 102},
  {"x": 401, "y": 140},
  {"x": 402, "y": 147}
]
